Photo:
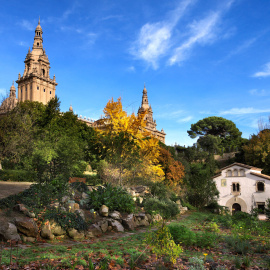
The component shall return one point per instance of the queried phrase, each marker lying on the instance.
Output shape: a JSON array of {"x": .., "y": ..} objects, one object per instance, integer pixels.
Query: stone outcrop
[
  {"x": 8, "y": 231},
  {"x": 104, "y": 211},
  {"x": 27, "y": 226}
]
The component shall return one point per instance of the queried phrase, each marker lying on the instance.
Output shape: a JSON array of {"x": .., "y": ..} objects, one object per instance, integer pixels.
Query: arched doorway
[{"x": 236, "y": 207}]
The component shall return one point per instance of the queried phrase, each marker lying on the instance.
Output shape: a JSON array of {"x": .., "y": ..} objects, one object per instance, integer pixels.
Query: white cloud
[
  {"x": 265, "y": 72},
  {"x": 202, "y": 32},
  {"x": 28, "y": 25},
  {"x": 170, "y": 114},
  {"x": 184, "y": 120},
  {"x": 239, "y": 111},
  {"x": 131, "y": 69},
  {"x": 112, "y": 17},
  {"x": 153, "y": 41},
  {"x": 23, "y": 44},
  {"x": 260, "y": 93}
]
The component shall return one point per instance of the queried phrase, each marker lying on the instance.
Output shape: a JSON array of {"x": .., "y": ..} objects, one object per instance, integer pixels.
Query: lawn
[{"x": 209, "y": 242}]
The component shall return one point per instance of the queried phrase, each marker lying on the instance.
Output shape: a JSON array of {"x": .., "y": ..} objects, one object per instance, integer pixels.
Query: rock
[
  {"x": 80, "y": 212},
  {"x": 183, "y": 209},
  {"x": 143, "y": 222},
  {"x": 74, "y": 234},
  {"x": 85, "y": 196},
  {"x": 28, "y": 239},
  {"x": 103, "y": 224},
  {"x": 90, "y": 188},
  {"x": 115, "y": 215},
  {"x": 116, "y": 225},
  {"x": 149, "y": 218},
  {"x": 57, "y": 229},
  {"x": 95, "y": 230},
  {"x": 46, "y": 231},
  {"x": 104, "y": 211},
  {"x": 157, "y": 218},
  {"x": 128, "y": 222},
  {"x": 65, "y": 199},
  {"x": 27, "y": 226},
  {"x": 109, "y": 228},
  {"x": 89, "y": 234},
  {"x": 8, "y": 231},
  {"x": 21, "y": 208},
  {"x": 55, "y": 205}
]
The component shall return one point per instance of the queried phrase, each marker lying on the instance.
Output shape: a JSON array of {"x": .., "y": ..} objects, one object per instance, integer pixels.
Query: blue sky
[{"x": 197, "y": 58}]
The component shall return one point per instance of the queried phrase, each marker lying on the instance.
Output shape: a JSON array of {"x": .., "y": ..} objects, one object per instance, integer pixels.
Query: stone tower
[
  {"x": 36, "y": 84},
  {"x": 10, "y": 102},
  {"x": 150, "y": 122}
]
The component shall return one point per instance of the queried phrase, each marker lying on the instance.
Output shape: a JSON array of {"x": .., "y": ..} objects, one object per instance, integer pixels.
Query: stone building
[
  {"x": 35, "y": 84},
  {"x": 242, "y": 187},
  {"x": 10, "y": 102},
  {"x": 150, "y": 122}
]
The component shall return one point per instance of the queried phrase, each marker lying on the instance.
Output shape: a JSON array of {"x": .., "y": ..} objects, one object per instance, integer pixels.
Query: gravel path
[{"x": 10, "y": 188}]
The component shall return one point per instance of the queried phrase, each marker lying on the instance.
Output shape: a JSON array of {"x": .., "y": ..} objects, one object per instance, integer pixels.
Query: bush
[
  {"x": 116, "y": 198},
  {"x": 66, "y": 219},
  {"x": 182, "y": 234},
  {"x": 206, "y": 239},
  {"x": 160, "y": 191},
  {"x": 36, "y": 196},
  {"x": 80, "y": 186},
  {"x": 17, "y": 175},
  {"x": 166, "y": 208}
]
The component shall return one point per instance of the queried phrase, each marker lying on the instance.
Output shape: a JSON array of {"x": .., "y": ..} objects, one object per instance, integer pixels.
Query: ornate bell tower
[
  {"x": 35, "y": 84},
  {"x": 150, "y": 122}
]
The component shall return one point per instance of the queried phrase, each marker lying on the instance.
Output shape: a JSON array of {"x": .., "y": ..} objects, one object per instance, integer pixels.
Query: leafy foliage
[
  {"x": 166, "y": 208},
  {"x": 115, "y": 198}
]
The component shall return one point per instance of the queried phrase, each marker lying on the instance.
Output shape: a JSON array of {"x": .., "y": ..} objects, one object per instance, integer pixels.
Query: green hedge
[{"x": 17, "y": 175}]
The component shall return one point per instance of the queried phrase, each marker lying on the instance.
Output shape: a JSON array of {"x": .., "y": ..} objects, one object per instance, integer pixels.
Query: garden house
[{"x": 242, "y": 187}]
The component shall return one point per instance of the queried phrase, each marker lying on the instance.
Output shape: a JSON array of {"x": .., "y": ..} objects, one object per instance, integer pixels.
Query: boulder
[
  {"x": 56, "y": 229},
  {"x": 46, "y": 231},
  {"x": 28, "y": 239},
  {"x": 103, "y": 225},
  {"x": 27, "y": 226},
  {"x": 149, "y": 218},
  {"x": 21, "y": 208},
  {"x": 72, "y": 206},
  {"x": 104, "y": 211},
  {"x": 65, "y": 199},
  {"x": 8, "y": 231},
  {"x": 116, "y": 225},
  {"x": 85, "y": 196},
  {"x": 74, "y": 234},
  {"x": 157, "y": 218},
  {"x": 128, "y": 222},
  {"x": 115, "y": 215},
  {"x": 80, "y": 212},
  {"x": 95, "y": 230}
]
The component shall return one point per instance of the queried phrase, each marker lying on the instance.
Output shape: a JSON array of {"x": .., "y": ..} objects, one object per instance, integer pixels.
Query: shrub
[
  {"x": 17, "y": 175},
  {"x": 115, "y": 198},
  {"x": 182, "y": 234},
  {"x": 160, "y": 191},
  {"x": 80, "y": 186},
  {"x": 66, "y": 219},
  {"x": 35, "y": 196},
  {"x": 196, "y": 263},
  {"x": 166, "y": 208},
  {"x": 205, "y": 239}
]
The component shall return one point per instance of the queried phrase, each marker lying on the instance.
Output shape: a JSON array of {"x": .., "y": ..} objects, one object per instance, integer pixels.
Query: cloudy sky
[{"x": 197, "y": 58}]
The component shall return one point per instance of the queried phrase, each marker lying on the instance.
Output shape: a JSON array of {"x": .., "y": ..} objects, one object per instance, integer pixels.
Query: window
[
  {"x": 236, "y": 188},
  {"x": 37, "y": 87},
  {"x": 235, "y": 172},
  {"x": 261, "y": 207},
  {"x": 44, "y": 90},
  {"x": 242, "y": 172},
  {"x": 260, "y": 186},
  {"x": 50, "y": 92},
  {"x": 25, "y": 88},
  {"x": 37, "y": 44},
  {"x": 229, "y": 173}
]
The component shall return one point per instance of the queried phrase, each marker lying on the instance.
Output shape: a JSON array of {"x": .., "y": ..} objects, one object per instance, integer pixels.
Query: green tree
[{"x": 224, "y": 129}]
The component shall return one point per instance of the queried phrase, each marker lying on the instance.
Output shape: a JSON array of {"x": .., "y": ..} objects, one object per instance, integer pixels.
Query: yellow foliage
[{"x": 132, "y": 128}]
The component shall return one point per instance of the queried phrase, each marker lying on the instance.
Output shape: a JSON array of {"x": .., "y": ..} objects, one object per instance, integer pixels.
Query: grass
[{"x": 224, "y": 246}]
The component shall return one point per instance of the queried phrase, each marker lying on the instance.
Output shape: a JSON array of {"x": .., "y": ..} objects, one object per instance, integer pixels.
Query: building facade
[
  {"x": 150, "y": 122},
  {"x": 242, "y": 187},
  {"x": 35, "y": 84}
]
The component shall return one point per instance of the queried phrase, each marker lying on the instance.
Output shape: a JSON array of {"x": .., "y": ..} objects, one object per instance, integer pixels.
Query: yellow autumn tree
[{"x": 127, "y": 144}]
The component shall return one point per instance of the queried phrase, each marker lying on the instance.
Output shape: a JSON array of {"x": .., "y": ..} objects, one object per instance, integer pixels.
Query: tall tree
[{"x": 224, "y": 129}]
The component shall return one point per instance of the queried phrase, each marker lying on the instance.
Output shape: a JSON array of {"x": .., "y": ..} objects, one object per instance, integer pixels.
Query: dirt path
[{"x": 11, "y": 188}]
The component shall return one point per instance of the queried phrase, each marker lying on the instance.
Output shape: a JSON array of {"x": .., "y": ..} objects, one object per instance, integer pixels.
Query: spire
[{"x": 39, "y": 20}]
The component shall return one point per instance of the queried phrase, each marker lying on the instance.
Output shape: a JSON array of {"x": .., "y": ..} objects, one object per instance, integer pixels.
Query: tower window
[
  {"x": 44, "y": 90},
  {"x": 25, "y": 88},
  {"x": 50, "y": 92},
  {"x": 43, "y": 72},
  {"x": 37, "y": 44},
  {"x": 37, "y": 87}
]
